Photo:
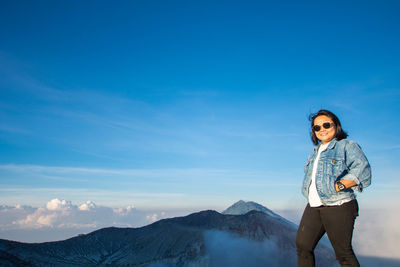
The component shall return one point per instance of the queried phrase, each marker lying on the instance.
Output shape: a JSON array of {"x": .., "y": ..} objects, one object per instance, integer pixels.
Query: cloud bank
[
  {"x": 377, "y": 233},
  {"x": 65, "y": 217}
]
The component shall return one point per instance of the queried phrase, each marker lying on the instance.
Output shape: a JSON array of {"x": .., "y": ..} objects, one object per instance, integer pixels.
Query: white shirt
[{"x": 313, "y": 196}]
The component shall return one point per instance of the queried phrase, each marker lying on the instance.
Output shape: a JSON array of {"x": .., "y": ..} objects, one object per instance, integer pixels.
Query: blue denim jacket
[{"x": 342, "y": 159}]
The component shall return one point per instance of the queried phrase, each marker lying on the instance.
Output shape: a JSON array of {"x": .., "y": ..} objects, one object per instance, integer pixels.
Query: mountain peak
[{"x": 242, "y": 207}]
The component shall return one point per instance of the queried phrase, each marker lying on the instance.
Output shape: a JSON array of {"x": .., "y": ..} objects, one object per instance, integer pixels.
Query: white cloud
[
  {"x": 56, "y": 204},
  {"x": 10, "y": 214},
  {"x": 89, "y": 205},
  {"x": 124, "y": 211},
  {"x": 63, "y": 214},
  {"x": 38, "y": 219},
  {"x": 46, "y": 220},
  {"x": 60, "y": 219}
]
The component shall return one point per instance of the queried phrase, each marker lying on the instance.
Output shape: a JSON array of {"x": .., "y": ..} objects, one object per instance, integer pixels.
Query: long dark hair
[{"x": 339, "y": 135}]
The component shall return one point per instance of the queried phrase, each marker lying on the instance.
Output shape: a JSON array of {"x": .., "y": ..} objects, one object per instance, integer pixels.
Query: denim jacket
[{"x": 342, "y": 159}]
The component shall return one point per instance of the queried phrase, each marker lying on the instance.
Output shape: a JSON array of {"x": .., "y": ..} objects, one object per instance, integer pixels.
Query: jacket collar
[{"x": 330, "y": 146}]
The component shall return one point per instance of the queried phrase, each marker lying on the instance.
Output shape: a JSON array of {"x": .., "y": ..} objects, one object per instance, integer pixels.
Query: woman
[{"x": 334, "y": 170}]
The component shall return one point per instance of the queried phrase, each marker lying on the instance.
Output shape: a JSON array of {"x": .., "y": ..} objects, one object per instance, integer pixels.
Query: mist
[
  {"x": 225, "y": 249},
  {"x": 377, "y": 233}
]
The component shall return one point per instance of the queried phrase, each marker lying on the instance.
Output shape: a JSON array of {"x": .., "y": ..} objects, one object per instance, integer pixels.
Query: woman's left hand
[{"x": 346, "y": 183}]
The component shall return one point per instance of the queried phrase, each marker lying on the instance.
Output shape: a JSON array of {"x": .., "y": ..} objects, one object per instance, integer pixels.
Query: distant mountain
[
  {"x": 205, "y": 238},
  {"x": 242, "y": 207}
]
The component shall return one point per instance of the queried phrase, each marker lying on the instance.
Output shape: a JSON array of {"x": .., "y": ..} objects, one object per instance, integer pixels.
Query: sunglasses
[{"x": 326, "y": 125}]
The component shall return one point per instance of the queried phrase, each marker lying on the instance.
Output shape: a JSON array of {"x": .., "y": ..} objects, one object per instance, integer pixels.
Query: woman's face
[{"x": 325, "y": 135}]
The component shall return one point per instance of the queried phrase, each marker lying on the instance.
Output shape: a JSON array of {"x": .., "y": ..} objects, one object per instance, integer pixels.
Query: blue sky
[{"x": 191, "y": 104}]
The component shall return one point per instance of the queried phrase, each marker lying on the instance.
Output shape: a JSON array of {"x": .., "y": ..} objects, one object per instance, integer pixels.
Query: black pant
[{"x": 337, "y": 222}]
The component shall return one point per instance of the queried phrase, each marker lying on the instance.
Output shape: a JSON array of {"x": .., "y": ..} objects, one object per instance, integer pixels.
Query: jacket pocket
[
  {"x": 331, "y": 180},
  {"x": 335, "y": 167}
]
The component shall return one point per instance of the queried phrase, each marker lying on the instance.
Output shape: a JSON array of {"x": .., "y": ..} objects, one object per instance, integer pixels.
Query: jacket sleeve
[{"x": 358, "y": 168}]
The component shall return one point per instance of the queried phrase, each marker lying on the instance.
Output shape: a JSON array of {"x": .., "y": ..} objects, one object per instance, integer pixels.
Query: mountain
[
  {"x": 241, "y": 207},
  {"x": 205, "y": 238}
]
